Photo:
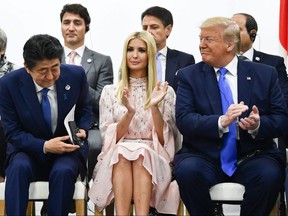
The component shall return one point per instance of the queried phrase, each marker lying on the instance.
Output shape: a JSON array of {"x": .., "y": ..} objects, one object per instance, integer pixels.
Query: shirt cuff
[{"x": 222, "y": 129}]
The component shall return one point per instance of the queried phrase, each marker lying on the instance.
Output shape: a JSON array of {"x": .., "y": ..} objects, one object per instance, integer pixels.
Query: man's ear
[{"x": 168, "y": 30}]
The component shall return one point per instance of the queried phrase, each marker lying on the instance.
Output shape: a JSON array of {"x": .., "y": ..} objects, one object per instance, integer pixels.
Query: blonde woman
[{"x": 137, "y": 125}]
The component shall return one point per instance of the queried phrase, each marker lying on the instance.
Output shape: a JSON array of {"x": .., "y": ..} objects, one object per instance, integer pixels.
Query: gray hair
[{"x": 3, "y": 40}]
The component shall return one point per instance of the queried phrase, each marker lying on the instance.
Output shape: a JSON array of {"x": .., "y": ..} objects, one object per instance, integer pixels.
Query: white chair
[
  {"x": 39, "y": 191},
  {"x": 228, "y": 191},
  {"x": 232, "y": 193}
]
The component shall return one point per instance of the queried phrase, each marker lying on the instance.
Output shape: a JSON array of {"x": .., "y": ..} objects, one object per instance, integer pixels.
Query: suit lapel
[
  {"x": 212, "y": 89},
  {"x": 245, "y": 82},
  {"x": 87, "y": 59},
  {"x": 32, "y": 103},
  {"x": 257, "y": 56},
  {"x": 171, "y": 66}
]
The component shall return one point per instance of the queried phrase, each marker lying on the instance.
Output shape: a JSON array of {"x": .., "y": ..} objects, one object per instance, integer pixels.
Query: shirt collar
[
  {"x": 164, "y": 51},
  {"x": 249, "y": 54},
  {"x": 39, "y": 88},
  {"x": 79, "y": 50},
  {"x": 231, "y": 66}
]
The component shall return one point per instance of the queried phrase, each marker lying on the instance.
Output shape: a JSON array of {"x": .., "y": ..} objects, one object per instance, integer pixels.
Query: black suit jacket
[
  {"x": 278, "y": 63},
  {"x": 176, "y": 60}
]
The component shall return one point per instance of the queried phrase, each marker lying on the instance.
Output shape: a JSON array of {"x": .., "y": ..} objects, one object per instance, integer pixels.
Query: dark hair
[
  {"x": 161, "y": 13},
  {"x": 77, "y": 9},
  {"x": 250, "y": 22},
  {"x": 41, "y": 47}
]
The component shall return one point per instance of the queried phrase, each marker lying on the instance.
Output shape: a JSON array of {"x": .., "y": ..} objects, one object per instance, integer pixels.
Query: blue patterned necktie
[
  {"x": 46, "y": 108},
  {"x": 159, "y": 67},
  {"x": 228, "y": 153}
]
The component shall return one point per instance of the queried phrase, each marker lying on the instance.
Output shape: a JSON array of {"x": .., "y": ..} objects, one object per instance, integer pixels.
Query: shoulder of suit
[
  {"x": 191, "y": 68},
  {"x": 178, "y": 52},
  {"x": 96, "y": 54},
  {"x": 267, "y": 55},
  {"x": 69, "y": 68}
]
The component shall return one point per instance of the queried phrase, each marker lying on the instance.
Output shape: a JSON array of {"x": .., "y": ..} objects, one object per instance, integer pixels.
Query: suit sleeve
[{"x": 105, "y": 77}]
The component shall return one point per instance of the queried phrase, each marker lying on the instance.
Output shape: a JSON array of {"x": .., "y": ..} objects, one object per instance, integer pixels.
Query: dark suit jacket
[
  {"x": 176, "y": 60},
  {"x": 21, "y": 113},
  {"x": 198, "y": 108},
  {"x": 99, "y": 72},
  {"x": 278, "y": 63}
]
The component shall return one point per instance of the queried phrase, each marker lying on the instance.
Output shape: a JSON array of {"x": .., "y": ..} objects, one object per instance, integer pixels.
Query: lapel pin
[
  {"x": 257, "y": 58},
  {"x": 89, "y": 60},
  {"x": 67, "y": 87},
  {"x": 248, "y": 78}
]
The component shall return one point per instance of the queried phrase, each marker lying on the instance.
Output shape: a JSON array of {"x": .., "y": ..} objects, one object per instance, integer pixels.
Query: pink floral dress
[{"x": 140, "y": 139}]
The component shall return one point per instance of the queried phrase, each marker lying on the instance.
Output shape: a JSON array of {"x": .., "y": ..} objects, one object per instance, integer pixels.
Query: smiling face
[
  {"x": 73, "y": 30},
  {"x": 213, "y": 49},
  {"x": 156, "y": 28},
  {"x": 137, "y": 58}
]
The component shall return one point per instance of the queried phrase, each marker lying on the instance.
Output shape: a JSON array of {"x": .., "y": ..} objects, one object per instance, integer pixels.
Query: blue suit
[
  {"x": 197, "y": 164},
  {"x": 176, "y": 60},
  {"x": 26, "y": 133}
]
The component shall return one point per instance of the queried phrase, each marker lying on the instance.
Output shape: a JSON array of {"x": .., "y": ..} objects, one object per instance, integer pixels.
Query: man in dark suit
[
  {"x": 257, "y": 115},
  {"x": 75, "y": 23},
  {"x": 159, "y": 22},
  {"x": 38, "y": 142},
  {"x": 248, "y": 32}
]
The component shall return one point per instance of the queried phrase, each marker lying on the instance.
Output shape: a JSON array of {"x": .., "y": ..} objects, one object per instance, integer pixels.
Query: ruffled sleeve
[
  {"x": 107, "y": 124},
  {"x": 170, "y": 131}
]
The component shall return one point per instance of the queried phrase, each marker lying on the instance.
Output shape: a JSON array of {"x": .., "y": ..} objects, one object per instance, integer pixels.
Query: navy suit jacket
[
  {"x": 198, "y": 108},
  {"x": 176, "y": 60},
  {"x": 21, "y": 113},
  {"x": 278, "y": 63},
  {"x": 99, "y": 72}
]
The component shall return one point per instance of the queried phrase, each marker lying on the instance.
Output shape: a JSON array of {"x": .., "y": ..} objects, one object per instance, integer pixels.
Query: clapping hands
[
  {"x": 158, "y": 93},
  {"x": 125, "y": 100}
]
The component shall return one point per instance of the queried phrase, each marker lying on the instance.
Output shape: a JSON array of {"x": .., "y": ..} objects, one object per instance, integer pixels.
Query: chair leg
[
  {"x": 30, "y": 211},
  {"x": 131, "y": 209},
  {"x": 180, "y": 208},
  {"x": 97, "y": 213},
  {"x": 81, "y": 207},
  {"x": 275, "y": 210},
  {"x": 2, "y": 208},
  {"x": 110, "y": 209}
]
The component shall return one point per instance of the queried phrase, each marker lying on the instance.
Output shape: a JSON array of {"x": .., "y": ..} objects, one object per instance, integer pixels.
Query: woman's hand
[
  {"x": 126, "y": 100},
  {"x": 158, "y": 93}
]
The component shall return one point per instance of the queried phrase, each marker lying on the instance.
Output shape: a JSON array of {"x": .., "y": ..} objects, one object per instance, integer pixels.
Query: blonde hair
[
  {"x": 151, "y": 67},
  {"x": 231, "y": 31}
]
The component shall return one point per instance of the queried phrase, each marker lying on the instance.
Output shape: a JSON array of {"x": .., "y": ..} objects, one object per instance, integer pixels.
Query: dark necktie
[
  {"x": 46, "y": 108},
  {"x": 228, "y": 153},
  {"x": 159, "y": 67},
  {"x": 244, "y": 58}
]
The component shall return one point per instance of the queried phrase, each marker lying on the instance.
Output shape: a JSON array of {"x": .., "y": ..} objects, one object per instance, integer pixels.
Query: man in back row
[
  {"x": 75, "y": 23},
  {"x": 158, "y": 21}
]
